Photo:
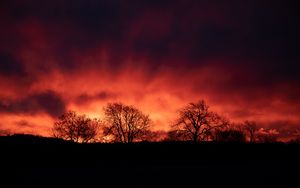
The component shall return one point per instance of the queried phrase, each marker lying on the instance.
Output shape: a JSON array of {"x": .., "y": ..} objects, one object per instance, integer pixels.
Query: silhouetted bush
[{"x": 230, "y": 136}]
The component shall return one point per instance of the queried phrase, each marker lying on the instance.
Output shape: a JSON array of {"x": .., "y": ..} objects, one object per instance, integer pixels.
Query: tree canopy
[
  {"x": 76, "y": 128},
  {"x": 195, "y": 121},
  {"x": 125, "y": 123}
]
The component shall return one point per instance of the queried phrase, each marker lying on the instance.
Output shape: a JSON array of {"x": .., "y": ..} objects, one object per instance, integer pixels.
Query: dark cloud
[
  {"x": 262, "y": 35},
  {"x": 10, "y": 66},
  {"x": 265, "y": 31},
  {"x": 48, "y": 102},
  {"x": 85, "y": 98},
  {"x": 13, "y": 72},
  {"x": 24, "y": 123}
]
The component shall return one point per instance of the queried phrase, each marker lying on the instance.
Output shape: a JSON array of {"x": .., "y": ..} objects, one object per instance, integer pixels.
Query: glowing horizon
[{"x": 155, "y": 56}]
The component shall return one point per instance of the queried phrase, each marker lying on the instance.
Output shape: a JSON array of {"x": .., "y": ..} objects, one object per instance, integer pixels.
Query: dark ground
[{"x": 39, "y": 162}]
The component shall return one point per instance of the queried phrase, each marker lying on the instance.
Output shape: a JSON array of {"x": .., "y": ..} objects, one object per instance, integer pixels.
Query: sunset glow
[{"x": 158, "y": 57}]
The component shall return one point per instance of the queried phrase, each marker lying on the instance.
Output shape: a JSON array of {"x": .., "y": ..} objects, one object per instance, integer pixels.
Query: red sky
[{"x": 240, "y": 57}]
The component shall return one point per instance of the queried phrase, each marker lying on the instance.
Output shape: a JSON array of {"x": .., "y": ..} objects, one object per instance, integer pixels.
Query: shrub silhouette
[{"x": 230, "y": 136}]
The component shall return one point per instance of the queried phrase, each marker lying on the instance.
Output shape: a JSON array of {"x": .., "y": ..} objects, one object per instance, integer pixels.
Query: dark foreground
[{"x": 35, "y": 162}]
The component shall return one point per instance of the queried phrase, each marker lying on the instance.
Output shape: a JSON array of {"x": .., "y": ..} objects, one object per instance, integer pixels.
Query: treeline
[{"x": 126, "y": 124}]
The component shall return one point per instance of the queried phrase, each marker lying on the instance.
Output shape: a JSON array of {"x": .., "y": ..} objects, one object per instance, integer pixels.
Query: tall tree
[
  {"x": 77, "y": 128},
  {"x": 195, "y": 122},
  {"x": 125, "y": 123}
]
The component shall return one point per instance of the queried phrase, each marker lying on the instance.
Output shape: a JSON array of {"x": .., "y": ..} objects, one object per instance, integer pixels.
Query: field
[{"x": 42, "y": 162}]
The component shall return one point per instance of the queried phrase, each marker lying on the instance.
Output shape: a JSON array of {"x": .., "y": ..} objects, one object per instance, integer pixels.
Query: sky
[{"x": 241, "y": 57}]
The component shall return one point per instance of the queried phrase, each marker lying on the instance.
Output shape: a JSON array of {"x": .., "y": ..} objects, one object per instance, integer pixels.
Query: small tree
[
  {"x": 153, "y": 136},
  {"x": 251, "y": 128},
  {"x": 76, "y": 128},
  {"x": 176, "y": 135},
  {"x": 295, "y": 140},
  {"x": 125, "y": 123},
  {"x": 196, "y": 122},
  {"x": 230, "y": 135}
]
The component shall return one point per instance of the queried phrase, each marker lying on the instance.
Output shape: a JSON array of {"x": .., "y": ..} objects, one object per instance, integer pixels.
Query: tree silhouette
[
  {"x": 251, "y": 128},
  {"x": 153, "y": 136},
  {"x": 195, "y": 121},
  {"x": 230, "y": 135},
  {"x": 176, "y": 135},
  {"x": 76, "y": 128},
  {"x": 125, "y": 123},
  {"x": 295, "y": 140},
  {"x": 267, "y": 135}
]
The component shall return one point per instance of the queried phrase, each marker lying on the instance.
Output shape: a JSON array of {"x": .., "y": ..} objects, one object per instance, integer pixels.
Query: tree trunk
[{"x": 195, "y": 139}]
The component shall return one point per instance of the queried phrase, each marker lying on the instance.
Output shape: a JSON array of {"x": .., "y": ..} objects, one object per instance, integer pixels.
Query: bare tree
[
  {"x": 77, "y": 128},
  {"x": 251, "y": 128},
  {"x": 195, "y": 122},
  {"x": 125, "y": 123}
]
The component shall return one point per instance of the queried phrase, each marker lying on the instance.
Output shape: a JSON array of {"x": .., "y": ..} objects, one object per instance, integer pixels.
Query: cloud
[
  {"x": 10, "y": 66},
  {"x": 103, "y": 95},
  {"x": 242, "y": 57},
  {"x": 24, "y": 123},
  {"x": 46, "y": 102}
]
